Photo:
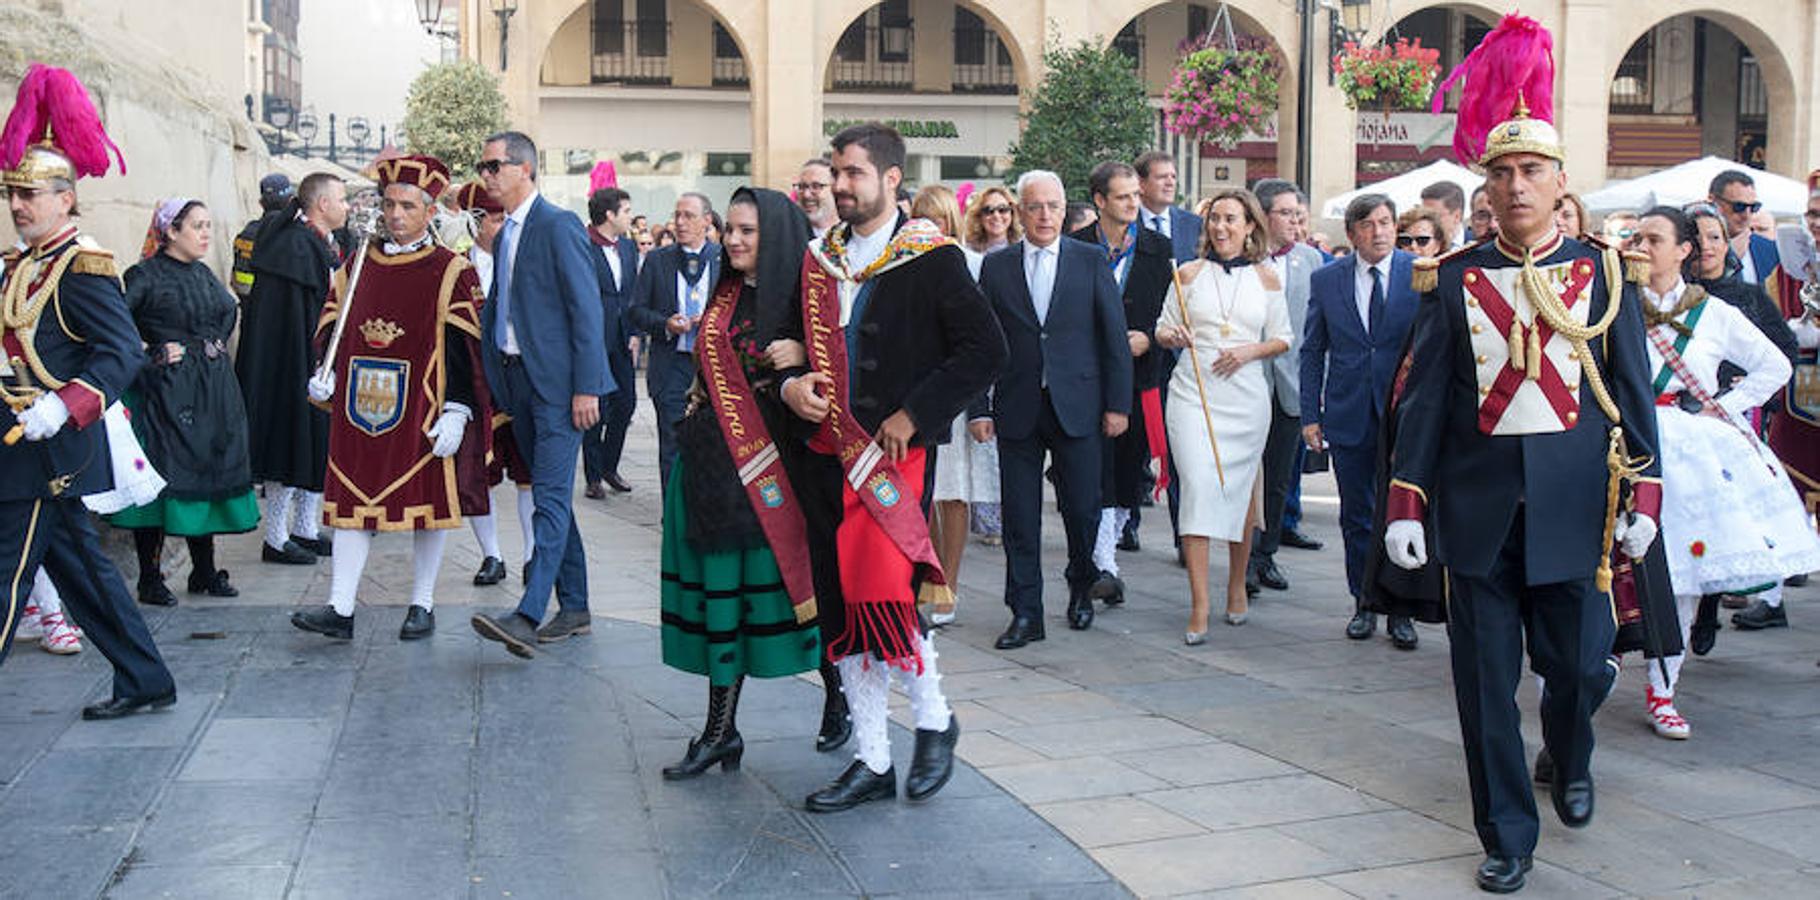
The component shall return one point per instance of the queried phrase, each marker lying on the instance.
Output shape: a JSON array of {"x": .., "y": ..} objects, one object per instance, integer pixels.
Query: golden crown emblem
[
  {"x": 379, "y": 333},
  {"x": 1522, "y": 134}
]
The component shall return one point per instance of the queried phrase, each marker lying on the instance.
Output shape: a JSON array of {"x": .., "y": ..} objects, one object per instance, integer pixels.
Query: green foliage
[
  {"x": 1089, "y": 108},
  {"x": 1222, "y": 93},
  {"x": 449, "y": 110}
]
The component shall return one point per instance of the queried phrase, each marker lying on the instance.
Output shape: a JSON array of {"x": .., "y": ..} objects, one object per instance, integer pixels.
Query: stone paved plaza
[{"x": 1277, "y": 760}]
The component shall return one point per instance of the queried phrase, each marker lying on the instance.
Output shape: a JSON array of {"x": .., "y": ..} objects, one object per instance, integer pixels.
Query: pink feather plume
[
  {"x": 605, "y": 175},
  {"x": 1515, "y": 60},
  {"x": 962, "y": 194},
  {"x": 53, "y": 96}
]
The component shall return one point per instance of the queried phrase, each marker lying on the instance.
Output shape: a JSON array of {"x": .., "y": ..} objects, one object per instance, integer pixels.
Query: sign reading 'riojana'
[{"x": 910, "y": 128}]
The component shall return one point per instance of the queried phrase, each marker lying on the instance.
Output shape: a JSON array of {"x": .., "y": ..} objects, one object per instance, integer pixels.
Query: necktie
[
  {"x": 689, "y": 303},
  {"x": 1156, "y": 224},
  {"x": 1376, "y": 310},
  {"x": 502, "y": 281},
  {"x": 1042, "y": 282}
]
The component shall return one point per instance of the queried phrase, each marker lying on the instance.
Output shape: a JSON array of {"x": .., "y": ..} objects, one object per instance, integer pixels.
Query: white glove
[
  {"x": 45, "y": 417},
  {"x": 1634, "y": 533},
  {"x": 445, "y": 435},
  {"x": 1807, "y": 334},
  {"x": 322, "y": 385},
  {"x": 1406, "y": 542}
]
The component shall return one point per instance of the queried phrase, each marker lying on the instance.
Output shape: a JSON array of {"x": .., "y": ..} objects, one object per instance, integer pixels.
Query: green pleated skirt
[
  {"x": 726, "y": 614},
  {"x": 193, "y": 518}
]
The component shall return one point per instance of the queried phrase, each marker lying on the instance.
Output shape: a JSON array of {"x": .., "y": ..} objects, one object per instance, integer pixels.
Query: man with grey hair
[
  {"x": 814, "y": 193},
  {"x": 667, "y": 303},
  {"x": 1067, "y": 383},
  {"x": 1283, "y": 203}
]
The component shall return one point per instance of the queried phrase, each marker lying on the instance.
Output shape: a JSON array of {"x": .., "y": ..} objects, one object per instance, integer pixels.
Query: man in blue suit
[
  {"x": 1068, "y": 380},
  {"x": 1735, "y": 194},
  {"x": 1359, "y": 312},
  {"x": 672, "y": 290},
  {"x": 1157, "y": 185},
  {"x": 541, "y": 347},
  {"x": 616, "y": 266}
]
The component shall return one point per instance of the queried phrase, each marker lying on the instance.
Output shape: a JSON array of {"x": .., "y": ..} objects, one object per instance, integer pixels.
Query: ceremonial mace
[
  {"x": 1194, "y": 361},
  {"x": 362, "y": 223}
]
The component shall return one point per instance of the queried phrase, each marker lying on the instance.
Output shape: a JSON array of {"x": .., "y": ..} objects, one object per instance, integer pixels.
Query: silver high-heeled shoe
[
  {"x": 1237, "y": 618},
  {"x": 1194, "y": 638}
]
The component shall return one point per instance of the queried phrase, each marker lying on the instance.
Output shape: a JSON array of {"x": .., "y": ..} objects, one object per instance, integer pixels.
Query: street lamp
[
  {"x": 306, "y": 129},
  {"x": 278, "y": 114},
  {"x": 504, "y": 9},
  {"x": 359, "y": 131},
  {"x": 429, "y": 14},
  {"x": 1347, "y": 22}
]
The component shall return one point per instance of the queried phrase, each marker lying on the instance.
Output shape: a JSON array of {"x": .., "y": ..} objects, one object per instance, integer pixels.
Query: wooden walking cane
[
  {"x": 362, "y": 223},
  {"x": 1194, "y": 361}
]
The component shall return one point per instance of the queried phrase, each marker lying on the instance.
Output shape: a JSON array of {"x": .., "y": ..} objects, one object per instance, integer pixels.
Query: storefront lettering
[{"x": 910, "y": 128}]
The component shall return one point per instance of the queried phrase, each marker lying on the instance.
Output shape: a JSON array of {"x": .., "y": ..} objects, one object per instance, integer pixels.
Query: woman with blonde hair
[
  {"x": 991, "y": 221},
  {"x": 1218, "y": 413},
  {"x": 966, "y": 469}
]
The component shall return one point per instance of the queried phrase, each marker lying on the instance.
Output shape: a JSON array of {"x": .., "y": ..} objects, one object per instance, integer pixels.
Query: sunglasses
[
  {"x": 1740, "y": 207},
  {"x": 492, "y": 166},
  {"x": 995, "y": 210},
  {"x": 1414, "y": 240}
]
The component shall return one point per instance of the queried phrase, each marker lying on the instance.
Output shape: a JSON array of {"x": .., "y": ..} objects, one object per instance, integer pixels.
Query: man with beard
[
  {"x": 1141, "y": 262},
  {"x": 899, "y": 339},
  {"x": 406, "y": 393},
  {"x": 289, "y": 438},
  {"x": 813, "y": 193}
]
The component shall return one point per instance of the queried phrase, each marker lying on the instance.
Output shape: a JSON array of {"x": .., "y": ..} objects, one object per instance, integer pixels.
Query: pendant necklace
[{"x": 1224, "y": 306}]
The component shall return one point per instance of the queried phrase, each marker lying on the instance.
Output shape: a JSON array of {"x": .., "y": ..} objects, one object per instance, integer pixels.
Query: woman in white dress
[
  {"x": 1236, "y": 320},
  {"x": 1731, "y": 520},
  {"x": 966, "y": 469}
]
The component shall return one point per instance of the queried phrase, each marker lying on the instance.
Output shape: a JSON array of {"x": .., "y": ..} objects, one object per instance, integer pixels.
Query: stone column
[
  {"x": 786, "y": 81},
  {"x": 1583, "y": 70},
  {"x": 932, "y": 50}
]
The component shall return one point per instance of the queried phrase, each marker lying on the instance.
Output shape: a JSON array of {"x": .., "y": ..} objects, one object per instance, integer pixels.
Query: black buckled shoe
[
  {"x": 155, "y": 593},
  {"x": 319, "y": 545},
  {"x": 1021, "y": 631},
  {"x": 933, "y": 762},
  {"x": 119, "y": 707},
  {"x": 1502, "y": 874},
  {"x": 1573, "y": 801},
  {"x": 1080, "y": 610},
  {"x": 288, "y": 555},
  {"x": 492, "y": 571},
  {"x": 855, "y": 786},
  {"x": 703, "y": 756},
  {"x": 324, "y": 620},
  {"x": 419, "y": 623},
  {"x": 1402, "y": 632},
  {"x": 216, "y": 585},
  {"x": 518, "y": 633},
  {"x": 1108, "y": 588},
  {"x": 1363, "y": 625}
]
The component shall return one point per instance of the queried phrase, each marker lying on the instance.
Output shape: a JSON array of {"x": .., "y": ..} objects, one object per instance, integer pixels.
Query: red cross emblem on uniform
[{"x": 1528, "y": 376}]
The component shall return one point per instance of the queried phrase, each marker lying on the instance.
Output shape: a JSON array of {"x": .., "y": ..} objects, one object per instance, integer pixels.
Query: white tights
[
  {"x": 867, "y": 683},
  {"x": 1664, "y": 686},
  {"x": 351, "y": 549},
  {"x": 1106, "y": 543}
]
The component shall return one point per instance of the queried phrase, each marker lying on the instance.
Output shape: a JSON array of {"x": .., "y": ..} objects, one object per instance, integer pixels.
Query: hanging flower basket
[
  {"x": 1221, "y": 92},
  {"x": 1387, "y": 77}
]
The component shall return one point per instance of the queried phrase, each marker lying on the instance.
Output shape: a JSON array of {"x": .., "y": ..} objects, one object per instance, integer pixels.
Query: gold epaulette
[
  {"x": 94, "y": 261},
  {"x": 1424, "y": 271},
  {"x": 1636, "y": 266}
]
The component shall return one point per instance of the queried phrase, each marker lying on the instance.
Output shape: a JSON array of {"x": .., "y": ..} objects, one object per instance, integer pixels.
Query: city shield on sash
[
  {"x": 1804, "y": 392},
  {"x": 770, "y": 493},
  {"x": 884, "y": 490},
  {"x": 376, "y": 390}
]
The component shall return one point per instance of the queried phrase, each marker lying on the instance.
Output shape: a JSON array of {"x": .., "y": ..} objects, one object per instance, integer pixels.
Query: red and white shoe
[
  {"x": 30, "y": 627},
  {"x": 1664, "y": 717},
  {"x": 60, "y": 637}
]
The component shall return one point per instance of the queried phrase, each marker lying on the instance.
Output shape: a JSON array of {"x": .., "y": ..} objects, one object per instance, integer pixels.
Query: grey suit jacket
[{"x": 1284, "y": 372}]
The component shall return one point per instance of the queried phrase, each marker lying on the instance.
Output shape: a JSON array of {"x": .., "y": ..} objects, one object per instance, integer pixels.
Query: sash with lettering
[
  {"x": 893, "y": 540},
  {"x": 755, "y": 457}
]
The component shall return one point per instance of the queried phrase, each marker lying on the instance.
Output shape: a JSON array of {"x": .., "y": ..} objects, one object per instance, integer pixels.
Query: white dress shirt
[
  {"x": 861, "y": 251},
  {"x": 1722, "y": 334},
  {"x": 1361, "y": 286},
  {"x": 517, "y": 218},
  {"x": 1039, "y": 276},
  {"x": 611, "y": 252},
  {"x": 1158, "y": 221}
]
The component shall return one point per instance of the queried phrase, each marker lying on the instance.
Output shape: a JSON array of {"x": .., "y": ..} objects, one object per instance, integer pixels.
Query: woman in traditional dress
[
  {"x": 186, "y": 405},
  {"x": 990, "y": 222},
  {"x": 1236, "y": 319},
  {"x": 728, "y": 611},
  {"x": 966, "y": 469},
  {"x": 1730, "y": 519}
]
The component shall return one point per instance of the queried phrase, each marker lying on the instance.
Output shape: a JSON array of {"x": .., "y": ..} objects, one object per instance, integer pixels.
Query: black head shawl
[{"x": 783, "y": 236}]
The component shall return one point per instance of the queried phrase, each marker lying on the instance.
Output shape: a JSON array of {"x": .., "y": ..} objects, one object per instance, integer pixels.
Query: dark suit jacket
[
  {"x": 555, "y": 310},
  {"x": 615, "y": 294},
  {"x": 1079, "y": 348},
  {"x": 654, "y": 301},
  {"x": 1148, "y": 281},
  {"x": 1764, "y": 257},
  {"x": 1346, "y": 373},
  {"x": 1184, "y": 231},
  {"x": 926, "y": 343},
  {"x": 1475, "y": 482}
]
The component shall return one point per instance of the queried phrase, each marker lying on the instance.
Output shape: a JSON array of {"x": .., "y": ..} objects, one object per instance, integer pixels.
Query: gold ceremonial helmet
[
  {"x": 40, "y": 167},
  {"x": 1522, "y": 134}
]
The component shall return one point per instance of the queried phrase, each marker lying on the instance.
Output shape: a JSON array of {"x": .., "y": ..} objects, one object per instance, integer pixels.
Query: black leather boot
[
  {"x": 719, "y": 743},
  {"x": 837, "y": 725},
  {"x": 933, "y": 763}
]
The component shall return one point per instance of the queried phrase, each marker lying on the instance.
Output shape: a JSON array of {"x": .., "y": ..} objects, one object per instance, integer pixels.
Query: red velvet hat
[
  {"x": 421, "y": 171},
  {"x": 474, "y": 195}
]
